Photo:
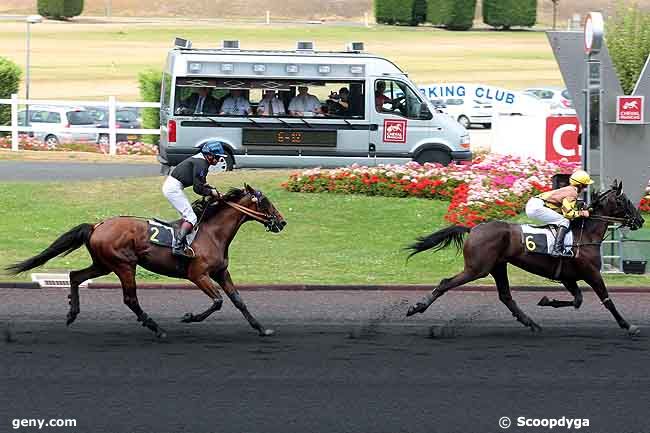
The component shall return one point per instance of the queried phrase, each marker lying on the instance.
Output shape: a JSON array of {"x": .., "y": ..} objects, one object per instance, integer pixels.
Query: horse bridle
[{"x": 265, "y": 219}]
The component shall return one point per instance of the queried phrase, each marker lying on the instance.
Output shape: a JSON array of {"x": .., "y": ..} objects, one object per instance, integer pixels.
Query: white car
[
  {"x": 466, "y": 111},
  {"x": 56, "y": 117},
  {"x": 559, "y": 99}
]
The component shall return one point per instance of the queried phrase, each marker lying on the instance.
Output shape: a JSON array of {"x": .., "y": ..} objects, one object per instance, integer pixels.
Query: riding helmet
[
  {"x": 580, "y": 177},
  {"x": 213, "y": 147}
]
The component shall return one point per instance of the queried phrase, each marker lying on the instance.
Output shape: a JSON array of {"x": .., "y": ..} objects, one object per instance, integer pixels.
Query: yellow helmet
[{"x": 580, "y": 177}]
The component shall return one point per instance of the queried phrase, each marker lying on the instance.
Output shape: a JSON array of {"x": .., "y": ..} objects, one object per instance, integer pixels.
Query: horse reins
[{"x": 256, "y": 215}]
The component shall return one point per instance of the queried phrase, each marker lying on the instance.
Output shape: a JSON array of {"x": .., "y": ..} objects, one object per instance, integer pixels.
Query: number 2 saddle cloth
[
  {"x": 163, "y": 233},
  {"x": 540, "y": 239}
]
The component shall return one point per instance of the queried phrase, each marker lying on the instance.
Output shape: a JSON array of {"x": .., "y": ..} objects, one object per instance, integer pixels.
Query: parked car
[
  {"x": 466, "y": 111},
  {"x": 125, "y": 118},
  {"x": 58, "y": 117},
  {"x": 559, "y": 99}
]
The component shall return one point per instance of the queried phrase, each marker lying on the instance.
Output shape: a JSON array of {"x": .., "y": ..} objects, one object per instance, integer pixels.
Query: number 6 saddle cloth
[
  {"x": 163, "y": 233},
  {"x": 540, "y": 239}
]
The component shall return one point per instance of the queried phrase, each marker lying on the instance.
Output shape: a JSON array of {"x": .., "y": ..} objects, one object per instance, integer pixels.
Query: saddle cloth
[
  {"x": 163, "y": 233},
  {"x": 540, "y": 239}
]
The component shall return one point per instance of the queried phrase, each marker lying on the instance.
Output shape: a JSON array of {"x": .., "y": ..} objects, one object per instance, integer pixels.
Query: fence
[{"x": 112, "y": 104}]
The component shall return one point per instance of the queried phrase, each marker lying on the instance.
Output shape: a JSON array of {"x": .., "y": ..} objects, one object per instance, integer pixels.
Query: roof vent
[
  {"x": 182, "y": 43},
  {"x": 354, "y": 47},
  {"x": 305, "y": 46},
  {"x": 230, "y": 45}
]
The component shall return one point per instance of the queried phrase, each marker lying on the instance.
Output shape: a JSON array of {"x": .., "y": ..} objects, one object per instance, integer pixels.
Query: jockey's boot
[
  {"x": 558, "y": 247},
  {"x": 180, "y": 243}
]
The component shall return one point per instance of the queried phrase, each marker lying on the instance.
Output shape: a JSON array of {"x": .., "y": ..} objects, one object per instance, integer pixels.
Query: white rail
[{"x": 112, "y": 129}]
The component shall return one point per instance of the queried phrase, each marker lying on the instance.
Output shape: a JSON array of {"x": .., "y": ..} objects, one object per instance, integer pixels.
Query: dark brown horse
[
  {"x": 492, "y": 245},
  {"x": 120, "y": 244}
]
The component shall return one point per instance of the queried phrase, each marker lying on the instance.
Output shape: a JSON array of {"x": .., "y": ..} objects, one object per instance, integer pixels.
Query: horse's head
[
  {"x": 614, "y": 203},
  {"x": 263, "y": 210}
]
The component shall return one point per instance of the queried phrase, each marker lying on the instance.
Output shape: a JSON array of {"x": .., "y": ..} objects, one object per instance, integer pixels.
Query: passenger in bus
[
  {"x": 200, "y": 103},
  {"x": 271, "y": 105},
  {"x": 381, "y": 99},
  {"x": 338, "y": 104},
  {"x": 304, "y": 104},
  {"x": 236, "y": 104}
]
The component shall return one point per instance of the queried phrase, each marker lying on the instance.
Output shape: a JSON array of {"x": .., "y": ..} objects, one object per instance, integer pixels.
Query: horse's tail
[
  {"x": 65, "y": 244},
  {"x": 439, "y": 240}
]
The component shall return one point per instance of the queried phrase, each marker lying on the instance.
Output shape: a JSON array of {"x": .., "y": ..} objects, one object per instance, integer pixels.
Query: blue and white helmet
[{"x": 214, "y": 148}]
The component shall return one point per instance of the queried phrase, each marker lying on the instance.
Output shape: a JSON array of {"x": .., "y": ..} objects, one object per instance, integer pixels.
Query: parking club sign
[
  {"x": 629, "y": 109},
  {"x": 394, "y": 131}
]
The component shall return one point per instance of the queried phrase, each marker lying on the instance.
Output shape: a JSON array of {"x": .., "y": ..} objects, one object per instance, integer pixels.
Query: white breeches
[
  {"x": 535, "y": 209},
  {"x": 173, "y": 190}
]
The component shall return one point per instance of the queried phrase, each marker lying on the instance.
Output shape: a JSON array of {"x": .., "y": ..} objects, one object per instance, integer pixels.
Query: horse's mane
[{"x": 201, "y": 205}]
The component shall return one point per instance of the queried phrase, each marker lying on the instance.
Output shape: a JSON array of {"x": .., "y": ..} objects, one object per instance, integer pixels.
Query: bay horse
[
  {"x": 120, "y": 244},
  {"x": 491, "y": 246}
]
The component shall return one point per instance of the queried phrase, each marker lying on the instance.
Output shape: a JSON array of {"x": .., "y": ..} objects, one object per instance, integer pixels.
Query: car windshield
[
  {"x": 79, "y": 118},
  {"x": 566, "y": 94},
  {"x": 126, "y": 116}
]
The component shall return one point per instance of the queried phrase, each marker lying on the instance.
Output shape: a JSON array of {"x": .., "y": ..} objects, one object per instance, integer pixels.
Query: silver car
[{"x": 56, "y": 117}]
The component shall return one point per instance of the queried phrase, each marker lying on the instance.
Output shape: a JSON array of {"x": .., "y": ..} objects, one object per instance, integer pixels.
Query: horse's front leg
[
  {"x": 595, "y": 280},
  {"x": 224, "y": 280},
  {"x": 208, "y": 287},
  {"x": 573, "y": 288}
]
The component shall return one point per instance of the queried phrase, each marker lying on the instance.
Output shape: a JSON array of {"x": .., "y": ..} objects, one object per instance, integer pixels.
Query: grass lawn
[
  {"x": 91, "y": 61},
  {"x": 329, "y": 238}
]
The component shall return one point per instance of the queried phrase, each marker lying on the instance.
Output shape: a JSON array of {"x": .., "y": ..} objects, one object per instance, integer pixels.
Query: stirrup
[{"x": 183, "y": 251}]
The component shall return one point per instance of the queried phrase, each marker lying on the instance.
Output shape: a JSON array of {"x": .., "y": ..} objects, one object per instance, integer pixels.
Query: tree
[{"x": 628, "y": 42}]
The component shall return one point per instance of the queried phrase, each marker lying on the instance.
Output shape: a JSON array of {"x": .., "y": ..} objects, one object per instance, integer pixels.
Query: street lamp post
[{"x": 32, "y": 19}]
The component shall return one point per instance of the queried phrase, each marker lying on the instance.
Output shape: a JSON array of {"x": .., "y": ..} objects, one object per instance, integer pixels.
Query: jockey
[
  {"x": 558, "y": 206},
  {"x": 191, "y": 172}
]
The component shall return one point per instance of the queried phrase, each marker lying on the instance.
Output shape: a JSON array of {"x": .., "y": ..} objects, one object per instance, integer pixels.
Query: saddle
[
  {"x": 163, "y": 233},
  {"x": 539, "y": 239}
]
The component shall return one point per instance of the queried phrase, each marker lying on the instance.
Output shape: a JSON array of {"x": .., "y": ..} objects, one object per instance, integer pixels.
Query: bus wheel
[
  {"x": 439, "y": 156},
  {"x": 225, "y": 164}
]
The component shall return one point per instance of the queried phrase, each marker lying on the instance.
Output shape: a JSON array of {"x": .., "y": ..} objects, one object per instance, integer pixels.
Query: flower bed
[
  {"x": 123, "y": 148},
  {"x": 492, "y": 187}
]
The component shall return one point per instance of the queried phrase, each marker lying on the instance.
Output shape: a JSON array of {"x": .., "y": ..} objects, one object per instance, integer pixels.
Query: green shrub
[
  {"x": 453, "y": 14},
  {"x": 409, "y": 12},
  {"x": 9, "y": 83},
  {"x": 150, "y": 82},
  {"x": 60, "y": 9},
  {"x": 510, "y": 13},
  {"x": 628, "y": 42}
]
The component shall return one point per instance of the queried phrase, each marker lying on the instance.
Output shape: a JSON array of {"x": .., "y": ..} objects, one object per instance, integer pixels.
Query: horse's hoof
[
  {"x": 535, "y": 328},
  {"x": 417, "y": 308},
  {"x": 267, "y": 333},
  {"x": 161, "y": 334},
  {"x": 70, "y": 318},
  {"x": 634, "y": 330},
  {"x": 544, "y": 302},
  {"x": 188, "y": 318}
]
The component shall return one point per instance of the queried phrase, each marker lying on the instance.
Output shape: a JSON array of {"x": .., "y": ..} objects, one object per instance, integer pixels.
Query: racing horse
[
  {"x": 120, "y": 244},
  {"x": 491, "y": 246}
]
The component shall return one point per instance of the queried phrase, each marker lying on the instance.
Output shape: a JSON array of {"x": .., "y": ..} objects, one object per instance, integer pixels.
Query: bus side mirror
[{"x": 425, "y": 113}]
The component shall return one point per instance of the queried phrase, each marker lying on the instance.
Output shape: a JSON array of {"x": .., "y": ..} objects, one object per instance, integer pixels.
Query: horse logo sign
[
  {"x": 629, "y": 109},
  {"x": 394, "y": 131}
]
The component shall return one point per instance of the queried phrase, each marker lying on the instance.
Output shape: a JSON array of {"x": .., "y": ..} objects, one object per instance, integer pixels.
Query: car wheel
[
  {"x": 439, "y": 156},
  {"x": 103, "y": 140},
  {"x": 464, "y": 121},
  {"x": 51, "y": 141},
  {"x": 224, "y": 164}
]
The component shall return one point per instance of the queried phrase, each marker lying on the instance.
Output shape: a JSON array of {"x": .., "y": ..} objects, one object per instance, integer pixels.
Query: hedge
[
  {"x": 60, "y": 9},
  {"x": 150, "y": 82},
  {"x": 510, "y": 13},
  {"x": 409, "y": 12},
  {"x": 9, "y": 83},
  {"x": 452, "y": 14},
  {"x": 628, "y": 42}
]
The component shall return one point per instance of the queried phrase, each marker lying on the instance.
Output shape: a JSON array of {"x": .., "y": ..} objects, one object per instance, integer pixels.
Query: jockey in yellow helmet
[{"x": 558, "y": 207}]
